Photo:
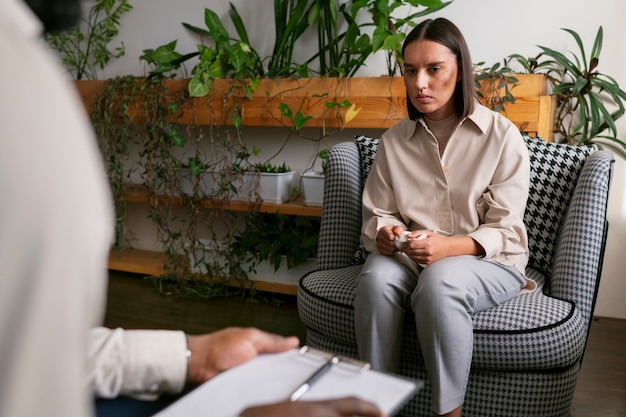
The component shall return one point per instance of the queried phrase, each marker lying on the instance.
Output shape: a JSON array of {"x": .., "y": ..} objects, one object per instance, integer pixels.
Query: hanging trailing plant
[{"x": 494, "y": 85}]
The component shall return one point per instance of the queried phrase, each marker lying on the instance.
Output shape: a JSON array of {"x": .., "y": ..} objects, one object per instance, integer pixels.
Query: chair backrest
[{"x": 555, "y": 169}]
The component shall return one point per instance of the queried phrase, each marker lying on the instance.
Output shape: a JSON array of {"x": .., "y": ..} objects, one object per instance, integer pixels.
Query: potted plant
[
  {"x": 272, "y": 244},
  {"x": 85, "y": 49},
  {"x": 584, "y": 95},
  {"x": 273, "y": 182},
  {"x": 313, "y": 183}
]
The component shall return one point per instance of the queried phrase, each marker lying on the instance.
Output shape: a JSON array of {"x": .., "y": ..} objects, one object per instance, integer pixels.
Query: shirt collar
[{"x": 478, "y": 118}]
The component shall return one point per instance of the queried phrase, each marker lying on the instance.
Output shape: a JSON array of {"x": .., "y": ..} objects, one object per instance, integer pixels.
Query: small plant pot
[
  {"x": 273, "y": 187},
  {"x": 208, "y": 251},
  {"x": 208, "y": 183},
  {"x": 313, "y": 185}
]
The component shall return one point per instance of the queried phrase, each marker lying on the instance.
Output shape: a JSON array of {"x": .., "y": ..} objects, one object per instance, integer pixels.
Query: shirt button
[{"x": 445, "y": 169}]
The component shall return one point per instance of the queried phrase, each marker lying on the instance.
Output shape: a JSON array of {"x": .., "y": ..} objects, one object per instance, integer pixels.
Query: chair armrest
[
  {"x": 579, "y": 252},
  {"x": 340, "y": 226}
]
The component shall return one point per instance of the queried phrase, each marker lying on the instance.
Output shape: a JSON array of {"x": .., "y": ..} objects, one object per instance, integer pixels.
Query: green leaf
[
  {"x": 581, "y": 48},
  {"x": 238, "y": 23},
  {"x": 285, "y": 110},
  {"x": 597, "y": 44},
  {"x": 216, "y": 28},
  {"x": 195, "y": 166},
  {"x": 199, "y": 88},
  {"x": 177, "y": 138},
  {"x": 299, "y": 121},
  {"x": 197, "y": 30}
]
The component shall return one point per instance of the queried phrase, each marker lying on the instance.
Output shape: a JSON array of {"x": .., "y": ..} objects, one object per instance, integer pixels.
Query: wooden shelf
[
  {"x": 139, "y": 194},
  {"x": 146, "y": 262},
  {"x": 381, "y": 100}
]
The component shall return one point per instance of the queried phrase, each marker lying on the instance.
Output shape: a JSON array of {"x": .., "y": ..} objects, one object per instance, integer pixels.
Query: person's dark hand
[
  {"x": 216, "y": 352},
  {"x": 343, "y": 407}
]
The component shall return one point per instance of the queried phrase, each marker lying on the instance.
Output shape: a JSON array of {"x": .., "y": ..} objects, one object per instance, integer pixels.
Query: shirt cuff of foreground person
[{"x": 138, "y": 363}]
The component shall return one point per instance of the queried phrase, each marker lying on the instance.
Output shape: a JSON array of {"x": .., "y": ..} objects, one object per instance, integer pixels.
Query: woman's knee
[
  {"x": 440, "y": 281},
  {"x": 385, "y": 275}
]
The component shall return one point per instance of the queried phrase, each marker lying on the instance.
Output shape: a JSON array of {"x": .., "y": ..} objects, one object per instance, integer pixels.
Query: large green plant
[
  {"x": 390, "y": 28},
  {"x": 86, "y": 48},
  {"x": 588, "y": 101},
  {"x": 290, "y": 22},
  {"x": 268, "y": 237},
  {"x": 343, "y": 44}
]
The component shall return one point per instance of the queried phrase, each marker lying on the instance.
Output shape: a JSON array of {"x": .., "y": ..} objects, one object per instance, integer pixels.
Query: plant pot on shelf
[
  {"x": 313, "y": 185},
  {"x": 208, "y": 183},
  {"x": 272, "y": 187}
]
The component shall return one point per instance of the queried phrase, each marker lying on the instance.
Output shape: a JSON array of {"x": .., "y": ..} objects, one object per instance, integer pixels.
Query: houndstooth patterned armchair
[{"x": 528, "y": 351}]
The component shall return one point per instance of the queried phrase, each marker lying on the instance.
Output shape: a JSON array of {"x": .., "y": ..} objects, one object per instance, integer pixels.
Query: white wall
[{"x": 493, "y": 28}]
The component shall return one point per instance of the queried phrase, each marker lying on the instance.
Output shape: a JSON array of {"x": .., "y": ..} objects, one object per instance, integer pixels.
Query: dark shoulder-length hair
[{"x": 446, "y": 33}]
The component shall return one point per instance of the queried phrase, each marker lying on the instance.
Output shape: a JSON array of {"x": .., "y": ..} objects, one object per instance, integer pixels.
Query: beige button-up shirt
[{"x": 478, "y": 187}]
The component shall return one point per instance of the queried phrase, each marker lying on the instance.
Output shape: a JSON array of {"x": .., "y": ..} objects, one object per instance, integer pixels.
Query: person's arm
[
  {"x": 379, "y": 209},
  {"x": 138, "y": 363},
  {"x": 148, "y": 363},
  {"x": 501, "y": 208}
]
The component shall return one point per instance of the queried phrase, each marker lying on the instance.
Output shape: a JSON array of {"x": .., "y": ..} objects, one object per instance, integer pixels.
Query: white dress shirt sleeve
[{"x": 138, "y": 363}]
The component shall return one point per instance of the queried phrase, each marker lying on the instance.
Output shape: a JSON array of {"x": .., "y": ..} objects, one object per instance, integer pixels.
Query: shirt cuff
[{"x": 155, "y": 362}]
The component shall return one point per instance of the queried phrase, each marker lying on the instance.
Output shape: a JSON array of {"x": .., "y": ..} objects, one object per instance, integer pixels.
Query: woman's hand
[
  {"x": 435, "y": 246},
  {"x": 385, "y": 239},
  {"x": 342, "y": 407}
]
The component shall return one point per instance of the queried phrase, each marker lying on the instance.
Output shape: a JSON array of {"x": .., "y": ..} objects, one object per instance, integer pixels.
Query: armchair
[{"x": 528, "y": 351}]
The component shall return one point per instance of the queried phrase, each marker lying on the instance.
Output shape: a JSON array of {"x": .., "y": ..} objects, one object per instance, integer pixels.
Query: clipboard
[{"x": 272, "y": 378}]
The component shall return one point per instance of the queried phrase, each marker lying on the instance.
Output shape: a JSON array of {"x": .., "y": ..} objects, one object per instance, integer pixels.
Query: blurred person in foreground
[{"x": 56, "y": 226}]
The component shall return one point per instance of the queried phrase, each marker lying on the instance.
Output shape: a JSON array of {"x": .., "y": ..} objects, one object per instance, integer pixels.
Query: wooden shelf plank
[
  {"x": 137, "y": 261},
  {"x": 381, "y": 100},
  {"x": 147, "y": 262},
  {"x": 139, "y": 194}
]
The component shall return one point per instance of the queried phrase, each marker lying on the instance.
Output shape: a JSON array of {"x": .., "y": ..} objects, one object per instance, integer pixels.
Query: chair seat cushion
[{"x": 532, "y": 331}]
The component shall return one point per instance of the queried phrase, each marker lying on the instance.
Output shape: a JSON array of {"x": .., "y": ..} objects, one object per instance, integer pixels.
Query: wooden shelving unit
[
  {"x": 147, "y": 263},
  {"x": 296, "y": 207}
]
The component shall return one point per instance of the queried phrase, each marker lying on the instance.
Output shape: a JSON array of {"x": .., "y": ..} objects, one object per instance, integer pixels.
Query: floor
[{"x": 134, "y": 303}]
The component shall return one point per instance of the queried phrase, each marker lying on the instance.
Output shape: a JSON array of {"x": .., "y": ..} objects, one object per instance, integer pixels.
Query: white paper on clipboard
[{"x": 273, "y": 378}]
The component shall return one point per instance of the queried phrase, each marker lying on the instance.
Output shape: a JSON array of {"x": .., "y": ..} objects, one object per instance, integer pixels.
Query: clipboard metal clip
[{"x": 331, "y": 360}]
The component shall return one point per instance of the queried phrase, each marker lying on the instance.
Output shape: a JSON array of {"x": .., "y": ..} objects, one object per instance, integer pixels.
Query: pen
[{"x": 314, "y": 377}]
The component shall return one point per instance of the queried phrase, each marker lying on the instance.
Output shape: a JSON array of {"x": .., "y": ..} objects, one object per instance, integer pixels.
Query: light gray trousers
[{"x": 443, "y": 297}]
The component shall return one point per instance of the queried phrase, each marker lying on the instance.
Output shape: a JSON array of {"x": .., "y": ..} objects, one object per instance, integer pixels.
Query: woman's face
[{"x": 430, "y": 76}]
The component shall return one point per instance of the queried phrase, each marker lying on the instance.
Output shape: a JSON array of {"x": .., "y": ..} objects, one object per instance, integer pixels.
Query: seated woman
[{"x": 453, "y": 179}]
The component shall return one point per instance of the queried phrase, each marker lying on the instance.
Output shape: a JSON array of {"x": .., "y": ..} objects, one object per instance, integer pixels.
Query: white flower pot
[
  {"x": 207, "y": 185},
  {"x": 313, "y": 185},
  {"x": 273, "y": 187}
]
